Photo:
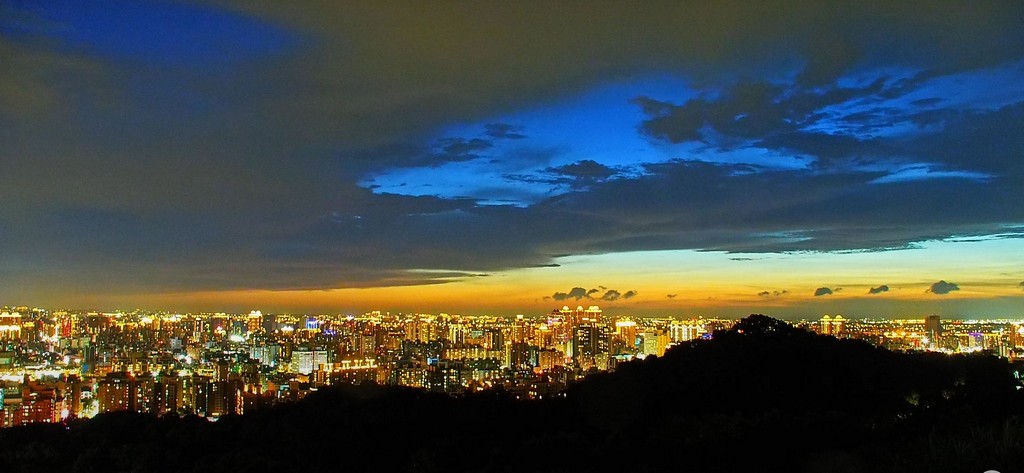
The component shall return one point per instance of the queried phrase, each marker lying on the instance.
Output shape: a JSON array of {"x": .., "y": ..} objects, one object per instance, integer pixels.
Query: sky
[{"x": 665, "y": 158}]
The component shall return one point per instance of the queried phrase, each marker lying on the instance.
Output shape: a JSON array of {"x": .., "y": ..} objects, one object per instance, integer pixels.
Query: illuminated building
[
  {"x": 521, "y": 356},
  {"x": 410, "y": 374},
  {"x": 10, "y": 326},
  {"x": 584, "y": 345},
  {"x": 456, "y": 333},
  {"x": 625, "y": 331},
  {"x": 684, "y": 332},
  {"x": 221, "y": 370},
  {"x": 520, "y": 330},
  {"x": 11, "y": 405},
  {"x": 420, "y": 328},
  {"x": 306, "y": 360},
  {"x": 831, "y": 325},
  {"x": 71, "y": 394},
  {"x": 548, "y": 358},
  {"x": 312, "y": 324},
  {"x": 569, "y": 316},
  {"x": 446, "y": 377},
  {"x": 933, "y": 328},
  {"x": 353, "y": 371},
  {"x": 367, "y": 345},
  {"x": 714, "y": 326},
  {"x": 37, "y": 403},
  {"x": 266, "y": 353},
  {"x": 655, "y": 342},
  {"x": 269, "y": 323},
  {"x": 574, "y": 317},
  {"x": 67, "y": 327},
  {"x": 220, "y": 399},
  {"x": 254, "y": 323},
  {"x": 544, "y": 336},
  {"x": 97, "y": 323},
  {"x": 192, "y": 393},
  {"x": 165, "y": 395},
  {"x": 114, "y": 392}
]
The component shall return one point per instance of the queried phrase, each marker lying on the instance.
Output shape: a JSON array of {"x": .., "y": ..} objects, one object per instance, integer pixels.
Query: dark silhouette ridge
[{"x": 763, "y": 396}]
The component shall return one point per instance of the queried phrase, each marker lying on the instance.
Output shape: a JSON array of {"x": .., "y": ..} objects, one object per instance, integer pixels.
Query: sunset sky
[{"x": 708, "y": 158}]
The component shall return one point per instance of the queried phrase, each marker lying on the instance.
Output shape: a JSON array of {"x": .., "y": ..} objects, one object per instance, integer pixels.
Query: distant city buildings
[
  {"x": 61, "y": 365},
  {"x": 831, "y": 325}
]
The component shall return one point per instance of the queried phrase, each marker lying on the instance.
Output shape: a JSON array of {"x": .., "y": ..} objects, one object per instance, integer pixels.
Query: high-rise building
[
  {"x": 933, "y": 328},
  {"x": 219, "y": 399},
  {"x": 305, "y": 360},
  {"x": 254, "y": 323},
  {"x": 10, "y": 325},
  {"x": 625, "y": 331},
  {"x": 838, "y": 323},
  {"x": 165, "y": 395},
  {"x": 192, "y": 394},
  {"x": 114, "y": 392},
  {"x": 221, "y": 370},
  {"x": 825, "y": 325},
  {"x": 420, "y": 328},
  {"x": 548, "y": 358},
  {"x": 367, "y": 345},
  {"x": 685, "y": 331},
  {"x": 269, "y": 323},
  {"x": 584, "y": 344},
  {"x": 520, "y": 330},
  {"x": 266, "y": 353},
  {"x": 71, "y": 394},
  {"x": 38, "y": 403},
  {"x": 143, "y": 393},
  {"x": 10, "y": 404},
  {"x": 831, "y": 325},
  {"x": 655, "y": 342}
]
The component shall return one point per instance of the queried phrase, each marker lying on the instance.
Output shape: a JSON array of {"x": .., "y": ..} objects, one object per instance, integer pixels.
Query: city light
[{"x": 218, "y": 364}]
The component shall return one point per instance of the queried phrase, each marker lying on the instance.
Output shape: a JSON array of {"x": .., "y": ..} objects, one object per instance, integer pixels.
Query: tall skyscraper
[{"x": 933, "y": 328}]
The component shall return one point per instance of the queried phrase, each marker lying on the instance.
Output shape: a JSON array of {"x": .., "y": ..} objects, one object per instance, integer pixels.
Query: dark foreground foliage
[{"x": 760, "y": 397}]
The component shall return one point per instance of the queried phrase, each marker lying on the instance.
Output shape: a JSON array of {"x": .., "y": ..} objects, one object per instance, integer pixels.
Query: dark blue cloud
[
  {"x": 942, "y": 288},
  {"x": 586, "y": 169},
  {"x": 576, "y": 293},
  {"x": 879, "y": 289},
  {"x": 504, "y": 130},
  {"x": 598, "y": 294},
  {"x": 822, "y": 291},
  {"x": 873, "y": 127}
]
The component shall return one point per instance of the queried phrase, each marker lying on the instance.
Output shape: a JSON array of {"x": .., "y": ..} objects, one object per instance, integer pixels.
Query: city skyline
[
  {"x": 59, "y": 366},
  {"x": 796, "y": 160}
]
